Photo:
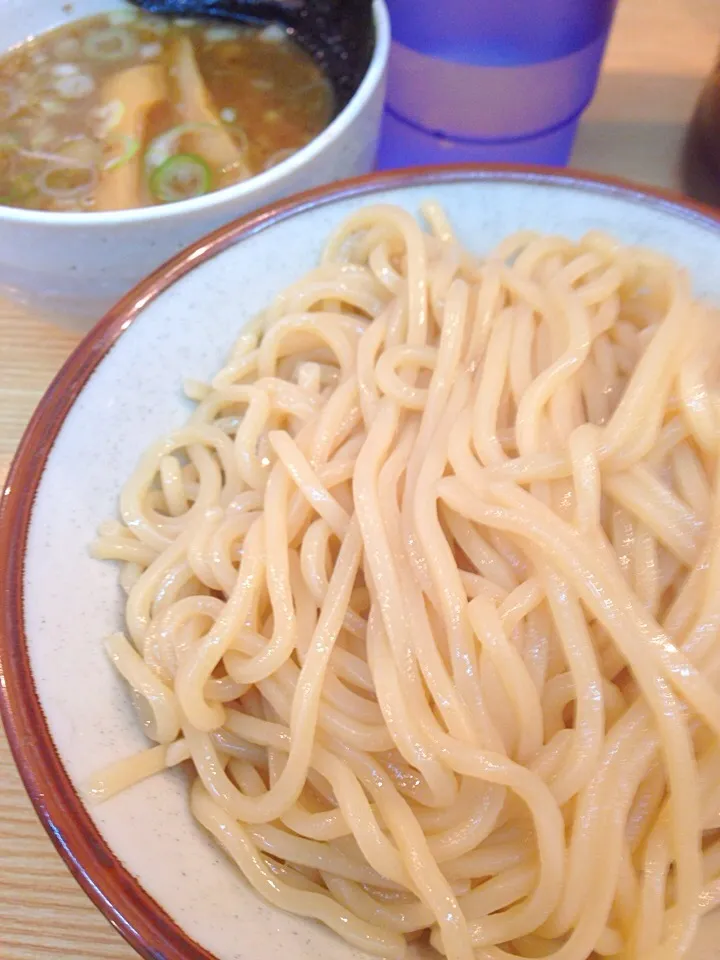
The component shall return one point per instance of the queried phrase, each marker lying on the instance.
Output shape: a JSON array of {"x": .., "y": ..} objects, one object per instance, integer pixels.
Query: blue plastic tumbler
[{"x": 490, "y": 80}]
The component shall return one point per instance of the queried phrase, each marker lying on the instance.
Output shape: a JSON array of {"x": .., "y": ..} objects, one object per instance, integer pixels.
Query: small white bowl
[
  {"x": 71, "y": 267},
  {"x": 141, "y": 857}
]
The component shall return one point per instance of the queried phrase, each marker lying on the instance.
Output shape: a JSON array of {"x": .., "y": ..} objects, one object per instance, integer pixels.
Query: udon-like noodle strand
[{"x": 427, "y": 591}]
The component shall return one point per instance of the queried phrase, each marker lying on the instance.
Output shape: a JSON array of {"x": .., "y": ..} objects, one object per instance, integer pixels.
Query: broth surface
[{"x": 126, "y": 109}]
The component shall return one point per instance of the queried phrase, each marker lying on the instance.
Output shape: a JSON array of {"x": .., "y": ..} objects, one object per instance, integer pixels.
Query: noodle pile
[{"x": 428, "y": 592}]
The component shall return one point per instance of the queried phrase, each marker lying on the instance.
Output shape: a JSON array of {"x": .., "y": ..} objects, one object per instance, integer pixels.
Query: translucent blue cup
[{"x": 490, "y": 80}]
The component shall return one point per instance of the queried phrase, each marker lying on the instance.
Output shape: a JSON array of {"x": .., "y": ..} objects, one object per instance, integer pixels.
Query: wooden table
[{"x": 659, "y": 54}]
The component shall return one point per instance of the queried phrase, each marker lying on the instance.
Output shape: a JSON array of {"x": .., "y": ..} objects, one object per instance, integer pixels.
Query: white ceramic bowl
[
  {"x": 71, "y": 267},
  {"x": 140, "y": 856}
]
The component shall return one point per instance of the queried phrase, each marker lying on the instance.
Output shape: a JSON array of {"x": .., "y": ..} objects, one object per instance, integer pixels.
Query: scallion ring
[
  {"x": 110, "y": 43},
  {"x": 180, "y": 178},
  {"x": 166, "y": 144},
  {"x": 66, "y": 183},
  {"x": 107, "y": 117},
  {"x": 118, "y": 149}
]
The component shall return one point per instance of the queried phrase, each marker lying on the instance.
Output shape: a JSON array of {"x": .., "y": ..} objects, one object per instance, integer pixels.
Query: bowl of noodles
[
  {"x": 126, "y": 135},
  {"x": 361, "y": 581}
]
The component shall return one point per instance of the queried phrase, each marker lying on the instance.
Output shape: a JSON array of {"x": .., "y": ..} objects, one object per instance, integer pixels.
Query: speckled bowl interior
[{"x": 132, "y": 397}]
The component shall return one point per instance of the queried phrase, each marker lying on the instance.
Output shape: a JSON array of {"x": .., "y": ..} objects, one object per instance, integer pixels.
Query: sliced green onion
[
  {"x": 57, "y": 159},
  {"x": 108, "y": 117},
  {"x": 64, "y": 69},
  {"x": 53, "y": 107},
  {"x": 273, "y": 33},
  {"x": 110, "y": 43},
  {"x": 122, "y": 148},
  {"x": 148, "y": 51},
  {"x": 43, "y": 137},
  {"x": 156, "y": 25},
  {"x": 180, "y": 178},
  {"x": 67, "y": 48},
  {"x": 76, "y": 152},
  {"x": 222, "y": 32},
  {"x": 74, "y": 86},
  {"x": 66, "y": 183},
  {"x": 122, "y": 15},
  {"x": 165, "y": 145},
  {"x": 80, "y": 149}
]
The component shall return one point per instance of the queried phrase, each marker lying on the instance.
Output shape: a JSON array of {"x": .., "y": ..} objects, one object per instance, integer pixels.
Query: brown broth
[{"x": 127, "y": 109}]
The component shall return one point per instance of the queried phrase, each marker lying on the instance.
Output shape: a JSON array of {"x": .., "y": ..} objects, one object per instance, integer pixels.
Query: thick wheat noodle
[{"x": 427, "y": 595}]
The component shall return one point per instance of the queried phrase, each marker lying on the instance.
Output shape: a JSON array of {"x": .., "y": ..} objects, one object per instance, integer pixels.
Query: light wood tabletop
[{"x": 659, "y": 53}]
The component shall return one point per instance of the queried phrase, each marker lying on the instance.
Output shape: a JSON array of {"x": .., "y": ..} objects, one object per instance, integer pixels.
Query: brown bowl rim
[{"x": 119, "y": 896}]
